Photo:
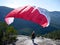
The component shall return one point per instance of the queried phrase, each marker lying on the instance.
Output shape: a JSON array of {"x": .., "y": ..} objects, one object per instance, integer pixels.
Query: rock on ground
[{"x": 25, "y": 40}]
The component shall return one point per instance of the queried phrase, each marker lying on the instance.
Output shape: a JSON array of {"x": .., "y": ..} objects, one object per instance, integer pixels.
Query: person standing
[{"x": 33, "y": 36}]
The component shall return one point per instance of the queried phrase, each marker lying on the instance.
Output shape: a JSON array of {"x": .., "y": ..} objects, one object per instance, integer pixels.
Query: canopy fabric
[{"x": 29, "y": 13}]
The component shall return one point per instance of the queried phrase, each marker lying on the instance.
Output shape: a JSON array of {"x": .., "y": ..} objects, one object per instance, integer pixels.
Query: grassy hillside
[{"x": 53, "y": 35}]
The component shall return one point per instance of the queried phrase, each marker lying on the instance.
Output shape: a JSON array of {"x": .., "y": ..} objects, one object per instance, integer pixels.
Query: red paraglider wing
[{"x": 29, "y": 13}]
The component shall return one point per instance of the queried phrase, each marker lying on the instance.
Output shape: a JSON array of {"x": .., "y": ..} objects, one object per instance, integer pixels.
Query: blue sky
[{"x": 51, "y": 5}]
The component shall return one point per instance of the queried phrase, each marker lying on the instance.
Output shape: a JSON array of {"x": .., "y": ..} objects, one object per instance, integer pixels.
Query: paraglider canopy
[{"x": 30, "y": 13}]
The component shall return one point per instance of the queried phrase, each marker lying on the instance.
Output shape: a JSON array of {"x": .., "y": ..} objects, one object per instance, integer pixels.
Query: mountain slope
[
  {"x": 4, "y": 11},
  {"x": 55, "y": 18}
]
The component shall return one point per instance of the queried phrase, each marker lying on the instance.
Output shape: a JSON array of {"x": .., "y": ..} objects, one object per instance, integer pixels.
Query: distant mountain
[
  {"x": 4, "y": 11},
  {"x": 26, "y": 27},
  {"x": 55, "y": 18}
]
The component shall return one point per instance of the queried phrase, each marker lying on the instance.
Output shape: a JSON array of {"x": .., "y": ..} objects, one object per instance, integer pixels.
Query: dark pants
[{"x": 33, "y": 40}]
